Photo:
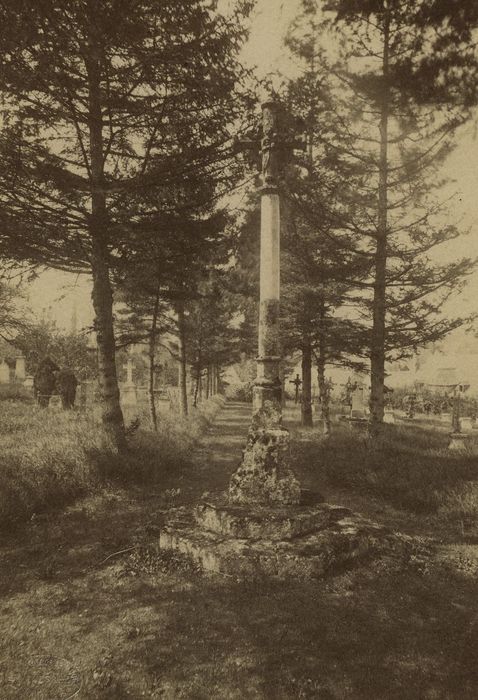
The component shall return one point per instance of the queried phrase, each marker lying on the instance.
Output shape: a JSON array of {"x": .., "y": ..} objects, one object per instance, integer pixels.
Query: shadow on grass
[
  {"x": 411, "y": 469},
  {"x": 377, "y": 632},
  {"x": 366, "y": 636}
]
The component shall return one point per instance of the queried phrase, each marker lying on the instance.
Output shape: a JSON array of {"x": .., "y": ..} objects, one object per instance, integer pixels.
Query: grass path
[{"x": 81, "y": 617}]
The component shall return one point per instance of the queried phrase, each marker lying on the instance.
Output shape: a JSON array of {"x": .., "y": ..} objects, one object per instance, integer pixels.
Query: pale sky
[{"x": 58, "y": 293}]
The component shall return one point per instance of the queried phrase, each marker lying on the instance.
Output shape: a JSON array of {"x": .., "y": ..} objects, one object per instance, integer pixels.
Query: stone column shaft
[
  {"x": 268, "y": 385},
  {"x": 264, "y": 475}
]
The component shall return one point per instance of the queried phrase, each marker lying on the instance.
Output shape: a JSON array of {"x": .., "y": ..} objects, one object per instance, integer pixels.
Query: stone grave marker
[
  {"x": 28, "y": 382},
  {"x": 358, "y": 404},
  {"x": 129, "y": 395},
  {"x": 20, "y": 372},
  {"x": 389, "y": 416},
  {"x": 55, "y": 401},
  {"x": 4, "y": 373}
]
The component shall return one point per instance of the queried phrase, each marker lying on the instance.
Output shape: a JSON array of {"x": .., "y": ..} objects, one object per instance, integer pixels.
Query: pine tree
[
  {"x": 108, "y": 102},
  {"x": 158, "y": 278},
  {"x": 397, "y": 133}
]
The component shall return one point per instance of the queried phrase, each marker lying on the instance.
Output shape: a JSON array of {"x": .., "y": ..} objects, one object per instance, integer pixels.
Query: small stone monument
[
  {"x": 129, "y": 395},
  {"x": 4, "y": 373},
  {"x": 389, "y": 416},
  {"x": 55, "y": 402},
  {"x": 459, "y": 441},
  {"x": 358, "y": 419},
  {"x": 20, "y": 372},
  {"x": 28, "y": 382},
  {"x": 358, "y": 404}
]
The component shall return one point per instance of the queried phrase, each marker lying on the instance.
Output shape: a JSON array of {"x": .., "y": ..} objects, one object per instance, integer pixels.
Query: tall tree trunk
[
  {"x": 152, "y": 361},
  {"x": 306, "y": 404},
  {"x": 324, "y": 397},
  {"x": 183, "y": 393},
  {"x": 213, "y": 379},
  {"x": 200, "y": 383},
  {"x": 102, "y": 294},
  {"x": 197, "y": 384},
  {"x": 208, "y": 381},
  {"x": 377, "y": 350}
]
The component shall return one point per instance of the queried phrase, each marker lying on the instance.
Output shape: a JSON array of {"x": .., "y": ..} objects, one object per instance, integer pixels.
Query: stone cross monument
[
  {"x": 264, "y": 475},
  {"x": 129, "y": 372},
  {"x": 128, "y": 390},
  {"x": 264, "y": 528}
]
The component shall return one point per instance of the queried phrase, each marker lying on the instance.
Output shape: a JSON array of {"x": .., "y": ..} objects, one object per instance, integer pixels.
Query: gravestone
[
  {"x": 28, "y": 382},
  {"x": 55, "y": 401},
  {"x": 358, "y": 404},
  {"x": 389, "y": 416},
  {"x": 4, "y": 373},
  {"x": 460, "y": 442},
  {"x": 20, "y": 372},
  {"x": 129, "y": 395}
]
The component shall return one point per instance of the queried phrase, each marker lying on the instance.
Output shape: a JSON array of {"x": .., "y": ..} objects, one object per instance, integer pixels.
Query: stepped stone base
[{"x": 293, "y": 542}]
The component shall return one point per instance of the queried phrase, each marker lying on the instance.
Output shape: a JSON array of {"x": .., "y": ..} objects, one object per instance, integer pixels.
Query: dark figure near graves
[
  {"x": 66, "y": 384},
  {"x": 44, "y": 381},
  {"x": 296, "y": 382}
]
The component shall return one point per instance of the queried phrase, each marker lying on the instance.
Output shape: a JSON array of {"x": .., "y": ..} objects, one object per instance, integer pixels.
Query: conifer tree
[
  {"x": 394, "y": 133},
  {"x": 108, "y": 102}
]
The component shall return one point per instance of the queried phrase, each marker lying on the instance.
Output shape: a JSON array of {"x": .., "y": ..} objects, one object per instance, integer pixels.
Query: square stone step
[
  {"x": 266, "y": 522},
  {"x": 338, "y": 541}
]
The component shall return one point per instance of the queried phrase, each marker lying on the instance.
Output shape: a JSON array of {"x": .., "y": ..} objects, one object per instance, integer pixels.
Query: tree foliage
[{"x": 110, "y": 107}]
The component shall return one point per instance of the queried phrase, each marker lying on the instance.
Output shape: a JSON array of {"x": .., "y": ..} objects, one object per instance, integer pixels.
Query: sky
[{"x": 57, "y": 295}]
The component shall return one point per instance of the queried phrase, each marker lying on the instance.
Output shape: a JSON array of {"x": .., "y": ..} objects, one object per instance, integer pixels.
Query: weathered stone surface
[
  {"x": 264, "y": 475},
  {"x": 266, "y": 522},
  {"x": 337, "y": 542}
]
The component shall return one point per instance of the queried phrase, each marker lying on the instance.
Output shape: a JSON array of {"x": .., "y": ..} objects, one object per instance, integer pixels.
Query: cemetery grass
[
  {"x": 51, "y": 457},
  {"x": 410, "y": 478},
  {"x": 85, "y": 594}
]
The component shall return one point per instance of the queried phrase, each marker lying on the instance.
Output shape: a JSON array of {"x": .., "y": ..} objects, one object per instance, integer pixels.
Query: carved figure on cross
[{"x": 271, "y": 142}]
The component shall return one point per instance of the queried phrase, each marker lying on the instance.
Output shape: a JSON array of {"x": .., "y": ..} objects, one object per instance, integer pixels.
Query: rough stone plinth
[
  {"x": 265, "y": 522},
  {"x": 264, "y": 475},
  {"x": 303, "y": 542}
]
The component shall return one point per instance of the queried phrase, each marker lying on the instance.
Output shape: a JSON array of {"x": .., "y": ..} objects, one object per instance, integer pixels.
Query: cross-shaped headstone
[{"x": 129, "y": 371}]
